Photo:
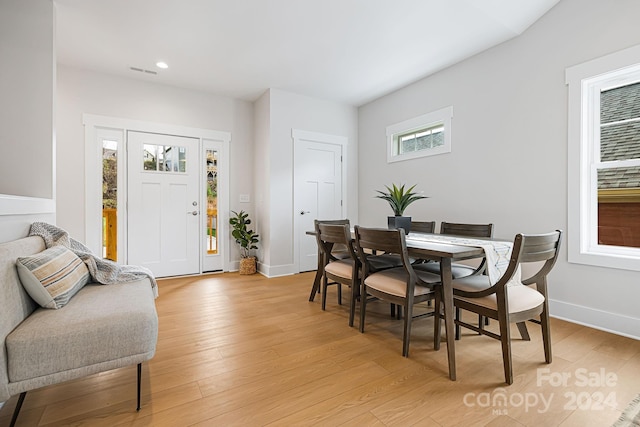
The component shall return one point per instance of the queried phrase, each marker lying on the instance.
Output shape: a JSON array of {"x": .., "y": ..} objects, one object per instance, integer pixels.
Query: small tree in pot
[
  {"x": 399, "y": 200},
  {"x": 245, "y": 238}
]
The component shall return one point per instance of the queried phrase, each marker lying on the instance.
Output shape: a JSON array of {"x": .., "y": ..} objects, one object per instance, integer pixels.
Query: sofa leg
[
  {"x": 139, "y": 380},
  {"x": 16, "y": 411}
]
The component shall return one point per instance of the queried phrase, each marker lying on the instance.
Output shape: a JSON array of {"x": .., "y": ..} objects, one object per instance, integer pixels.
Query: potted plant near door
[
  {"x": 246, "y": 238},
  {"x": 399, "y": 199}
]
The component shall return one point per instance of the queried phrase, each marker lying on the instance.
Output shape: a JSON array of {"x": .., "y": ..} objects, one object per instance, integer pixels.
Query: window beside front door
[
  {"x": 211, "y": 159},
  {"x": 110, "y": 199}
]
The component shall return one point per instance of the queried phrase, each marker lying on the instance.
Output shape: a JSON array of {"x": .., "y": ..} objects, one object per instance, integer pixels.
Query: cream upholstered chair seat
[
  {"x": 520, "y": 297},
  {"x": 342, "y": 268},
  {"x": 394, "y": 282}
]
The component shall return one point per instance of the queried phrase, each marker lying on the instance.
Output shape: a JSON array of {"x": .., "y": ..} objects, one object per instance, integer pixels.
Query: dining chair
[
  {"x": 428, "y": 227},
  {"x": 459, "y": 270},
  {"x": 379, "y": 261},
  {"x": 339, "y": 251},
  {"x": 402, "y": 286},
  {"x": 510, "y": 300},
  {"x": 463, "y": 230},
  {"x": 339, "y": 271}
]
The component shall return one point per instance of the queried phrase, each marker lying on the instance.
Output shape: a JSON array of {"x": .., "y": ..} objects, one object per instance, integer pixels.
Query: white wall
[
  {"x": 508, "y": 163},
  {"x": 27, "y": 77},
  {"x": 262, "y": 170},
  {"x": 81, "y": 91},
  {"x": 289, "y": 111},
  {"x": 27, "y": 86}
]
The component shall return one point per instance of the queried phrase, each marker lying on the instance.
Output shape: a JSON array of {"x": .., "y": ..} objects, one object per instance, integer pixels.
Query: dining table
[{"x": 431, "y": 247}]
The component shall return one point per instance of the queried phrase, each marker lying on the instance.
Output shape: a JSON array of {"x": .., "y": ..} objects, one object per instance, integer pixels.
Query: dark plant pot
[{"x": 399, "y": 222}]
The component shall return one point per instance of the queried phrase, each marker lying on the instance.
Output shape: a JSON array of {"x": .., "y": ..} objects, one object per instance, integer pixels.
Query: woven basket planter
[{"x": 248, "y": 265}]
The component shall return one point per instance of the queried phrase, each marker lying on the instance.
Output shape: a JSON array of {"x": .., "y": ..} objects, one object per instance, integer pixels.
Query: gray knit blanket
[{"x": 102, "y": 270}]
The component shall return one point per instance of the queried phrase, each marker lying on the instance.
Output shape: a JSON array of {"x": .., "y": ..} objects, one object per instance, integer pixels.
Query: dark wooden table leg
[
  {"x": 316, "y": 280},
  {"x": 447, "y": 299}
]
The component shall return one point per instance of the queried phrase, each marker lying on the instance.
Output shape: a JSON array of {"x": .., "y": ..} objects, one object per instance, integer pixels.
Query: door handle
[
  {"x": 194, "y": 213},
  {"x": 304, "y": 212}
]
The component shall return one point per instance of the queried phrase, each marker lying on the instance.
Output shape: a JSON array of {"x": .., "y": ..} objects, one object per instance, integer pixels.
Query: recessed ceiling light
[{"x": 162, "y": 65}]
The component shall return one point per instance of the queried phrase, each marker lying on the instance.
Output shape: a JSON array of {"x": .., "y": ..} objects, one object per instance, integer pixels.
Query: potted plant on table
[
  {"x": 246, "y": 238},
  {"x": 399, "y": 199}
]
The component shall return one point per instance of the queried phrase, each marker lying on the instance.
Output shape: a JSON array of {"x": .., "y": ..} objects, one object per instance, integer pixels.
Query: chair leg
[
  {"x": 524, "y": 333},
  {"x": 437, "y": 328},
  {"x": 16, "y": 411},
  {"x": 546, "y": 333},
  {"x": 505, "y": 339},
  {"x": 406, "y": 337},
  {"x": 363, "y": 306},
  {"x": 457, "y": 336},
  {"x": 352, "y": 304},
  {"x": 324, "y": 293},
  {"x": 339, "y": 285},
  {"x": 139, "y": 384}
]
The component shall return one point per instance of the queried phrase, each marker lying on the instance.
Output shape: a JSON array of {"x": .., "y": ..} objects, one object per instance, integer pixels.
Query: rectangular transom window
[
  {"x": 425, "y": 135},
  {"x": 604, "y": 161},
  {"x": 164, "y": 158}
]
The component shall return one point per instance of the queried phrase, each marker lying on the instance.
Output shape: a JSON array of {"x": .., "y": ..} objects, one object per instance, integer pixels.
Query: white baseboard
[
  {"x": 603, "y": 320},
  {"x": 276, "y": 270}
]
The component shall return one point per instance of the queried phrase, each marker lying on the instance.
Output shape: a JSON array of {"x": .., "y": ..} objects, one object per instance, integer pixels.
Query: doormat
[{"x": 631, "y": 415}]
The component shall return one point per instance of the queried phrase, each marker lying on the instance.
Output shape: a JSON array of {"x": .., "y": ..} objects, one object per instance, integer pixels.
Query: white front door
[
  {"x": 317, "y": 188},
  {"x": 163, "y": 203}
]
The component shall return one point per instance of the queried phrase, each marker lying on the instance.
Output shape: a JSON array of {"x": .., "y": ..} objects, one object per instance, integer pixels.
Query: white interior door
[
  {"x": 317, "y": 189},
  {"x": 163, "y": 203}
]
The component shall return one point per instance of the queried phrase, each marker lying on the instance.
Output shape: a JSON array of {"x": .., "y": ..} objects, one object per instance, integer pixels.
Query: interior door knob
[
  {"x": 304, "y": 212},
  {"x": 194, "y": 213}
]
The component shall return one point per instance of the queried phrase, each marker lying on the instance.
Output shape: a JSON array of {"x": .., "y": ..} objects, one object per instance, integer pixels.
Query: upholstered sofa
[{"x": 102, "y": 327}]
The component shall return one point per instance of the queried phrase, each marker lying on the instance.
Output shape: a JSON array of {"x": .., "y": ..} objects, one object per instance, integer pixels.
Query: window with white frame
[
  {"x": 425, "y": 135},
  {"x": 604, "y": 161}
]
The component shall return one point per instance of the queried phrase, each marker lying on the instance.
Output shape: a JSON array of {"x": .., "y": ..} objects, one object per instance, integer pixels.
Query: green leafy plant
[
  {"x": 398, "y": 198},
  {"x": 246, "y": 238}
]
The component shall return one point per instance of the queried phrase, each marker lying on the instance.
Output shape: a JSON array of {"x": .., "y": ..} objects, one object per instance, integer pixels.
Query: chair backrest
[
  {"x": 316, "y": 224},
  {"x": 528, "y": 248},
  {"x": 329, "y": 235},
  {"x": 382, "y": 240},
  {"x": 467, "y": 230},
  {"x": 330, "y": 221},
  {"x": 540, "y": 247},
  {"x": 423, "y": 226}
]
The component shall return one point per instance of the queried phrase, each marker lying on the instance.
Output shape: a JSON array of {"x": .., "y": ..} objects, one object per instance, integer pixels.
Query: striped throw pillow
[{"x": 52, "y": 276}]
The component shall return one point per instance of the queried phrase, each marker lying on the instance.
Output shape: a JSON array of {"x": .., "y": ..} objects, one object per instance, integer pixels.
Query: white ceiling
[{"x": 349, "y": 51}]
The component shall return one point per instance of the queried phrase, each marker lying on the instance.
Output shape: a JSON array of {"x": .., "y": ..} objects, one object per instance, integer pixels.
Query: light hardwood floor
[{"x": 249, "y": 351}]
